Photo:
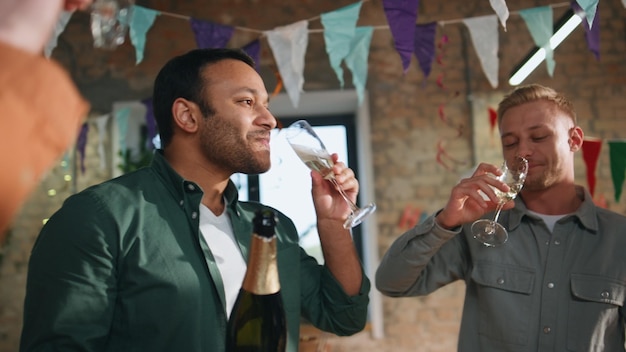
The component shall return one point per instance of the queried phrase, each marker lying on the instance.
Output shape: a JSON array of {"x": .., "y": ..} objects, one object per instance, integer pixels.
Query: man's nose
[{"x": 524, "y": 149}]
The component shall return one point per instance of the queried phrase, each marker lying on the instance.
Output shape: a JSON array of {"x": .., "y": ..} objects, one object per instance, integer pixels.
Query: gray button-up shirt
[{"x": 540, "y": 291}]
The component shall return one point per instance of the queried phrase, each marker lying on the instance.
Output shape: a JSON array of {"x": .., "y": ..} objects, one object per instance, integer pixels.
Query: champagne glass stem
[
  {"x": 492, "y": 227},
  {"x": 343, "y": 194}
]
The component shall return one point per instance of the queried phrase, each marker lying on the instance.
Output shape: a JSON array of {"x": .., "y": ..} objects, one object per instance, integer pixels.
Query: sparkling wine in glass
[
  {"x": 488, "y": 231},
  {"x": 311, "y": 150},
  {"x": 109, "y": 22}
]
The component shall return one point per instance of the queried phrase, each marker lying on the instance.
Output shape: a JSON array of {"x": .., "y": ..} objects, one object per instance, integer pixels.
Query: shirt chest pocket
[
  {"x": 514, "y": 279},
  {"x": 504, "y": 299},
  {"x": 596, "y": 302},
  {"x": 598, "y": 289}
]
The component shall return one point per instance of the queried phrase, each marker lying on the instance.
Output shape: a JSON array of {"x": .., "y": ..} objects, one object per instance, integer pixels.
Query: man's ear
[
  {"x": 185, "y": 114},
  {"x": 576, "y": 136}
]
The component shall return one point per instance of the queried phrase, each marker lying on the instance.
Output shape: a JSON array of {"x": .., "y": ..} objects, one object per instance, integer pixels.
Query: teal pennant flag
[
  {"x": 140, "y": 22},
  {"x": 121, "y": 118},
  {"x": 590, "y": 7},
  {"x": 357, "y": 58},
  {"x": 539, "y": 22},
  {"x": 339, "y": 30}
]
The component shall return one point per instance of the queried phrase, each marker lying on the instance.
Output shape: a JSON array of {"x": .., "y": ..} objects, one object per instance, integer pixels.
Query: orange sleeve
[{"x": 41, "y": 112}]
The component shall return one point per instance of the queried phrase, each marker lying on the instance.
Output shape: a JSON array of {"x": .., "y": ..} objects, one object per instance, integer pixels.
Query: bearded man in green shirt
[{"x": 153, "y": 260}]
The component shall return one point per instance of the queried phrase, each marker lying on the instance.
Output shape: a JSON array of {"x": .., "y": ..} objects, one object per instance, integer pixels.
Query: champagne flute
[
  {"x": 488, "y": 231},
  {"x": 311, "y": 150},
  {"x": 109, "y": 22}
]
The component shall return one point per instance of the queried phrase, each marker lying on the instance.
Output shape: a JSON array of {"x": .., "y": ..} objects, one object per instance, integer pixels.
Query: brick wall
[{"x": 405, "y": 125}]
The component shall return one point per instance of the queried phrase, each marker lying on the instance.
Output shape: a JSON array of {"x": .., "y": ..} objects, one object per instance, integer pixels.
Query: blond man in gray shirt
[{"x": 559, "y": 282}]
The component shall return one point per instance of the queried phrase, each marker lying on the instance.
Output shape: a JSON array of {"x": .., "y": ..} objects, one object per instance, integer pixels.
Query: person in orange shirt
[{"x": 40, "y": 106}]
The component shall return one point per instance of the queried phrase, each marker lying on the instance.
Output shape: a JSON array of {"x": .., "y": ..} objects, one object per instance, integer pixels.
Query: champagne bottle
[{"x": 257, "y": 321}]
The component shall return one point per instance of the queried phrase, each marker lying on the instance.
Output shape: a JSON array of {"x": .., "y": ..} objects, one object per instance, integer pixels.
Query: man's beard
[{"x": 221, "y": 144}]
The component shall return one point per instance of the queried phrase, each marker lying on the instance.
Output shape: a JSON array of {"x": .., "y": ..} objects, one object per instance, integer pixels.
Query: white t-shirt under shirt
[
  {"x": 549, "y": 220},
  {"x": 218, "y": 234}
]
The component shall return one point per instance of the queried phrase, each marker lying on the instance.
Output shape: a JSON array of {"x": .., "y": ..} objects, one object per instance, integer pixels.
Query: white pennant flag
[
  {"x": 59, "y": 27},
  {"x": 289, "y": 45},
  {"x": 484, "y": 33},
  {"x": 499, "y": 6}
]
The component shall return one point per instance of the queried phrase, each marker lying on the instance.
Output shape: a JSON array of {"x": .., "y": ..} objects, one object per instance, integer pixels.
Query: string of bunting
[{"x": 346, "y": 43}]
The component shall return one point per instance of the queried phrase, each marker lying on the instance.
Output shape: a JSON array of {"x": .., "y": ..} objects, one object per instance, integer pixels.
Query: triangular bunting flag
[
  {"x": 81, "y": 144},
  {"x": 253, "y": 49},
  {"x": 590, "y": 7},
  {"x": 540, "y": 24},
  {"x": 484, "y": 33},
  {"x": 211, "y": 35},
  {"x": 59, "y": 27},
  {"x": 493, "y": 119},
  {"x": 357, "y": 59},
  {"x": 339, "y": 28},
  {"x": 289, "y": 44},
  {"x": 617, "y": 154},
  {"x": 592, "y": 33},
  {"x": 140, "y": 22},
  {"x": 401, "y": 17},
  {"x": 424, "y": 46},
  {"x": 501, "y": 10},
  {"x": 591, "y": 151},
  {"x": 150, "y": 121}
]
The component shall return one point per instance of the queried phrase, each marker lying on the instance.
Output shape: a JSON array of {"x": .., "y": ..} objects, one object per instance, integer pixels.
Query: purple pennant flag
[
  {"x": 81, "y": 143},
  {"x": 150, "y": 122},
  {"x": 592, "y": 35},
  {"x": 401, "y": 16},
  {"x": 425, "y": 46},
  {"x": 253, "y": 49},
  {"x": 211, "y": 35}
]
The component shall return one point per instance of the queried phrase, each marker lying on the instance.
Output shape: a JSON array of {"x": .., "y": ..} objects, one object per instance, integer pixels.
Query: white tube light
[{"x": 531, "y": 64}]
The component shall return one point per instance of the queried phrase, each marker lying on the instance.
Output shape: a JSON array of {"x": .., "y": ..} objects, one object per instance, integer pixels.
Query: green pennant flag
[{"x": 617, "y": 154}]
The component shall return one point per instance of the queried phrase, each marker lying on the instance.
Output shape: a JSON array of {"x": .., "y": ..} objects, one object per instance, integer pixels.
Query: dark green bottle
[{"x": 257, "y": 322}]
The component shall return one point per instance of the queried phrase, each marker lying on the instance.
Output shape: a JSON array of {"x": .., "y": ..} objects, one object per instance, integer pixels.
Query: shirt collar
[
  {"x": 178, "y": 186},
  {"x": 586, "y": 213}
]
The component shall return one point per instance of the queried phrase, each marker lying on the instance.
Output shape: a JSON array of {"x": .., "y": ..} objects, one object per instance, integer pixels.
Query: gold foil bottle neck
[{"x": 262, "y": 274}]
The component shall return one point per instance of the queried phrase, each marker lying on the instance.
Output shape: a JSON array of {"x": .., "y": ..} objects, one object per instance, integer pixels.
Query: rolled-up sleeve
[
  {"x": 421, "y": 260},
  {"x": 327, "y": 306}
]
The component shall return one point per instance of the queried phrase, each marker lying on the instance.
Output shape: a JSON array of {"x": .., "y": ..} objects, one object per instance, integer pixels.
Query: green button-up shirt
[
  {"x": 122, "y": 266},
  {"x": 540, "y": 291}
]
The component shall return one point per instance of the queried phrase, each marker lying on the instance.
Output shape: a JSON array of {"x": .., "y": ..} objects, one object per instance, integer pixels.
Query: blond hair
[{"x": 533, "y": 92}]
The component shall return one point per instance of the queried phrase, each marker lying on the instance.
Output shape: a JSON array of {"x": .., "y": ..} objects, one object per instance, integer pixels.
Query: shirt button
[
  {"x": 500, "y": 281},
  {"x": 550, "y": 285},
  {"x": 182, "y": 202},
  {"x": 605, "y": 294},
  {"x": 546, "y": 330},
  {"x": 191, "y": 187},
  {"x": 557, "y": 242},
  {"x": 194, "y": 215}
]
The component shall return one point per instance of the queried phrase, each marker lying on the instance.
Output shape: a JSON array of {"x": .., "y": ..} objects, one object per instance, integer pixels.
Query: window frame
[{"x": 321, "y": 104}]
